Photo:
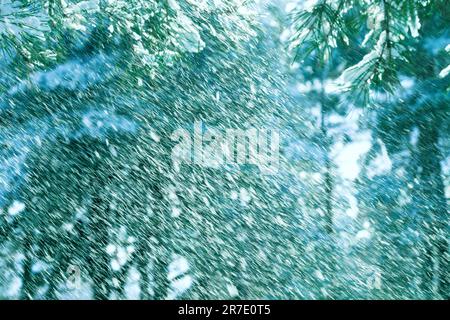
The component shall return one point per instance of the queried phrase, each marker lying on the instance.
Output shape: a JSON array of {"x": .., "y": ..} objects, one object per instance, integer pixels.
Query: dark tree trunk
[
  {"x": 160, "y": 271},
  {"x": 122, "y": 278},
  {"x": 328, "y": 189},
  {"x": 330, "y": 268},
  {"x": 142, "y": 256},
  {"x": 99, "y": 261},
  {"x": 328, "y": 179},
  {"x": 28, "y": 286},
  {"x": 161, "y": 252},
  {"x": 434, "y": 214}
]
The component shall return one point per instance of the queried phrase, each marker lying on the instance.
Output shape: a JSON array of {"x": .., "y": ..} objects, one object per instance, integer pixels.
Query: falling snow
[{"x": 95, "y": 202}]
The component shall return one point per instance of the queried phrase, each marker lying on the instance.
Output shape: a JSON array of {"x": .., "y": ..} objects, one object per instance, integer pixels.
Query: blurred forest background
[{"x": 92, "y": 208}]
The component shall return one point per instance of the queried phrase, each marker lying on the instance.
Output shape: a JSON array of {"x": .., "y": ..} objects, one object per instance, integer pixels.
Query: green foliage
[{"x": 390, "y": 28}]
